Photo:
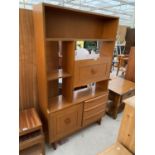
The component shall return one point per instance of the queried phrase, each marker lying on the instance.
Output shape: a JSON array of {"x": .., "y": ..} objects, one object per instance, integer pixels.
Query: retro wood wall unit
[{"x": 73, "y": 109}]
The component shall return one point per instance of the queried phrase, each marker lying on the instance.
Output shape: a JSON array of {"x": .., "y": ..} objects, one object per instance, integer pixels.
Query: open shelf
[
  {"x": 59, "y": 102},
  {"x": 57, "y": 74},
  {"x": 76, "y": 39},
  {"x": 33, "y": 150}
]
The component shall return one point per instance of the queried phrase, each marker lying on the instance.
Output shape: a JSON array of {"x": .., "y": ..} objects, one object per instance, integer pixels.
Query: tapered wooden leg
[
  {"x": 54, "y": 145},
  {"x": 99, "y": 122}
]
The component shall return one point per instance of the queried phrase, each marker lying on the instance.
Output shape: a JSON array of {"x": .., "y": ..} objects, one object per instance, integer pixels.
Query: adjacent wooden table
[
  {"x": 31, "y": 139},
  {"x": 119, "y": 89}
]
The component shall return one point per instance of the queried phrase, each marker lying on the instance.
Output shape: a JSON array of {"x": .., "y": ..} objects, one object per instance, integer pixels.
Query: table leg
[{"x": 117, "y": 101}]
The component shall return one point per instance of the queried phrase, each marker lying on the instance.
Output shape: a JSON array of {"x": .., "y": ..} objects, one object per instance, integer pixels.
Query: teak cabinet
[{"x": 71, "y": 105}]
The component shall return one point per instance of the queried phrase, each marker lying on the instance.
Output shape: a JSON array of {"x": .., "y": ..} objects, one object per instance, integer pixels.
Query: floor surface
[{"x": 91, "y": 140}]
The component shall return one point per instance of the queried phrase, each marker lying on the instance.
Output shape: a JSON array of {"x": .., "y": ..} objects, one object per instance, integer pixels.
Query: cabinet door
[{"x": 65, "y": 122}]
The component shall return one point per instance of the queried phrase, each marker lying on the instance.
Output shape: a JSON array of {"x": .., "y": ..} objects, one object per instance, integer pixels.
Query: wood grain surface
[{"x": 27, "y": 61}]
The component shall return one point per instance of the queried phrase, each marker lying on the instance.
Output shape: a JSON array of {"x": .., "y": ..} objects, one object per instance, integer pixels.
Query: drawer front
[
  {"x": 94, "y": 109},
  {"x": 90, "y": 113},
  {"x": 65, "y": 122},
  {"x": 91, "y": 71},
  {"x": 97, "y": 101},
  {"x": 93, "y": 118},
  {"x": 129, "y": 94}
]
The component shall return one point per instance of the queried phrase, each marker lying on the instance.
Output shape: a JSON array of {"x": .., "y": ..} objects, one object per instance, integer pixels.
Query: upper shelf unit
[{"x": 61, "y": 23}]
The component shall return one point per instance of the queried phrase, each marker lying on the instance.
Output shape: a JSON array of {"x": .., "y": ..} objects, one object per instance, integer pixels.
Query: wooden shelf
[
  {"x": 29, "y": 122},
  {"x": 34, "y": 150},
  {"x": 30, "y": 141},
  {"x": 76, "y": 39},
  {"x": 57, "y": 74},
  {"x": 115, "y": 149},
  {"x": 59, "y": 102}
]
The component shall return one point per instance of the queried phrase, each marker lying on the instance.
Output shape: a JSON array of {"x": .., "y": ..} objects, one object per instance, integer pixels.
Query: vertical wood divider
[{"x": 68, "y": 52}]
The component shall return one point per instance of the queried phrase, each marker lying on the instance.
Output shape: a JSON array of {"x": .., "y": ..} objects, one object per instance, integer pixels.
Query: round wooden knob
[
  {"x": 67, "y": 121},
  {"x": 93, "y": 71}
]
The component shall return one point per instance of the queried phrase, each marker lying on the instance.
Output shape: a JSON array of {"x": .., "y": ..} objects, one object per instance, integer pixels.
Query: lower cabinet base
[
  {"x": 55, "y": 144},
  {"x": 64, "y": 122}
]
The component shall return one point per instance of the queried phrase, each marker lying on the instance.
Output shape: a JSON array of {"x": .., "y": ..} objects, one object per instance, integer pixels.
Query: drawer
[
  {"x": 93, "y": 118},
  {"x": 128, "y": 94},
  {"x": 94, "y": 102},
  {"x": 91, "y": 71},
  {"x": 92, "y": 111},
  {"x": 64, "y": 122}
]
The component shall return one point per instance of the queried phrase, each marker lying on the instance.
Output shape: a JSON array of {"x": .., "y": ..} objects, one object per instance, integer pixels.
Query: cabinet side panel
[
  {"x": 28, "y": 96},
  {"x": 38, "y": 14}
]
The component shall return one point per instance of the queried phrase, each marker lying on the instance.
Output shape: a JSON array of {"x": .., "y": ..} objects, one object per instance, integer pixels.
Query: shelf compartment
[
  {"x": 59, "y": 102},
  {"x": 33, "y": 150},
  {"x": 30, "y": 139},
  {"x": 57, "y": 74},
  {"x": 100, "y": 26}
]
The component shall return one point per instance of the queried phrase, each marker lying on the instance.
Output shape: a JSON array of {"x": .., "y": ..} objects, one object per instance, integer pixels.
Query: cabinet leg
[
  {"x": 99, "y": 121},
  {"x": 54, "y": 145},
  {"x": 114, "y": 115}
]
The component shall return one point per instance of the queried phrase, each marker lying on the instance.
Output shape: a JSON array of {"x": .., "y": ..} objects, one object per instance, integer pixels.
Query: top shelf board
[
  {"x": 77, "y": 39},
  {"x": 79, "y": 11}
]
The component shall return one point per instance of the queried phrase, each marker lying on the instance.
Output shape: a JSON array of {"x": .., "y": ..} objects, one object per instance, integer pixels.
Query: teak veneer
[{"x": 70, "y": 106}]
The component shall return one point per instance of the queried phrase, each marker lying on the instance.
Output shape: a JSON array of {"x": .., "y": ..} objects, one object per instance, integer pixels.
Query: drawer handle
[
  {"x": 67, "y": 121},
  {"x": 93, "y": 71}
]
